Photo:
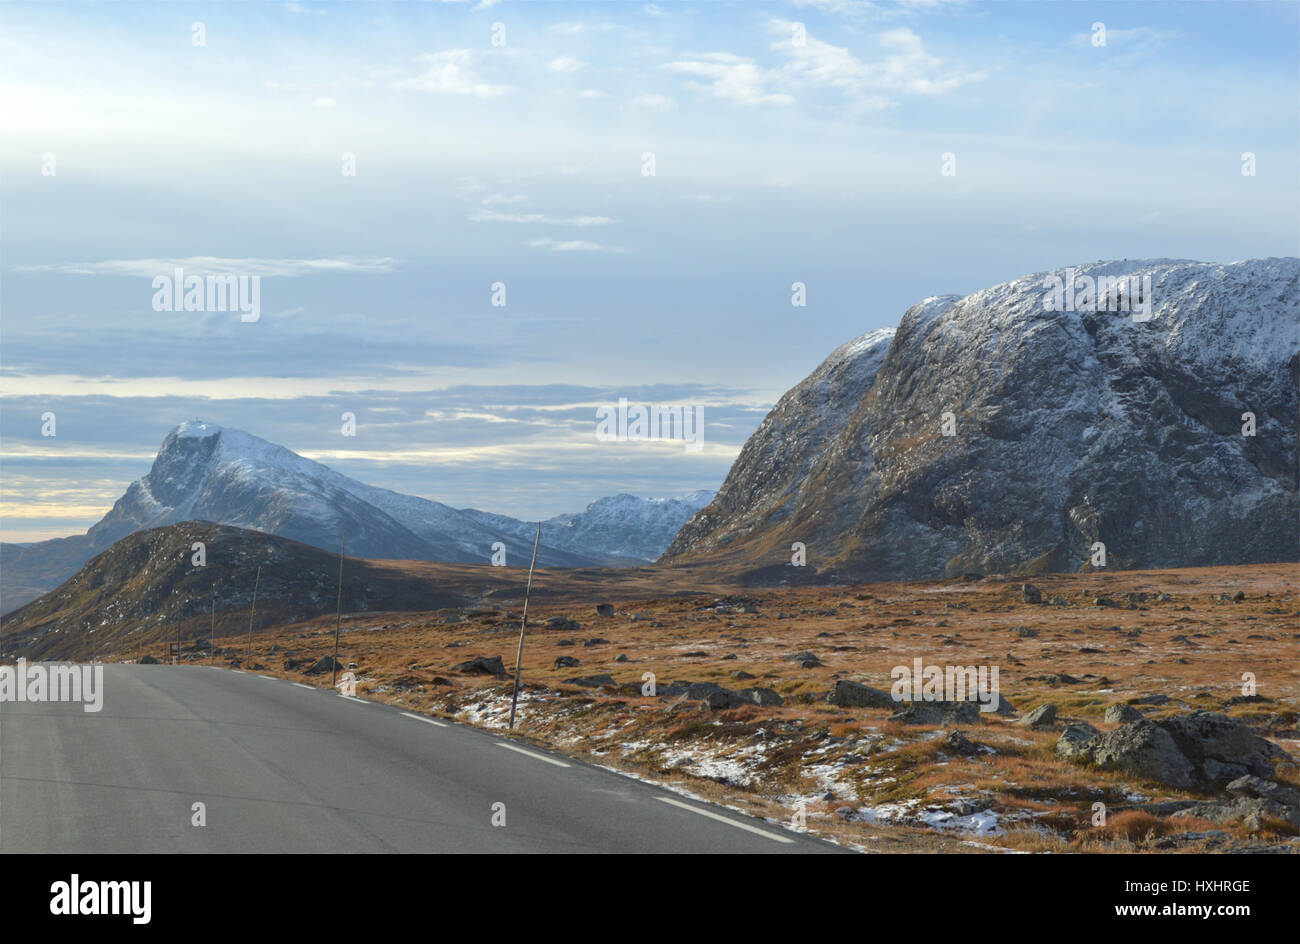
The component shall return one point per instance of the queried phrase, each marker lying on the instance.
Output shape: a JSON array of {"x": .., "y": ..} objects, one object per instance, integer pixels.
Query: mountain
[
  {"x": 1071, "y": 428},
  {"x": 211, "y": 473},
  {"x": 623, "y": 527},
  {"x": 145, "y": 588}
]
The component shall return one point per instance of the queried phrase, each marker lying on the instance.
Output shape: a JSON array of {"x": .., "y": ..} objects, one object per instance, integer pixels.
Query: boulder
[
  {"x": 1041, "y": 717},
  {"x": 567, "y": 662},
  {"x": 1075, "y": 739},
  {"x": 1031, "y": 594},
  {"x": 847, "y": 694},
  {"x": 1222, "y": 748},
  {"x": 1121, "y": 714},
  {"x": 481, "y": 666},
  {"x": 562, "y": 623},
  {"x": 1143, "y": 749},
  {"x": 604, "y": 609},
  {"x": 942, "y": 713},
  {"x": 957, "y": 743},
  {"x": 323, "y": 665}
]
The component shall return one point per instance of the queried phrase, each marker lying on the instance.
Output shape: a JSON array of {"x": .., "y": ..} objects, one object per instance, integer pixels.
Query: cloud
[
  {"x": 218, "y": 265},
  {"x": 493, "y": 216},
  {"x": 565, "y": 64},
  {"x": 571, "y": 245},
  {"x": 499, "y": 199},
  {"x": 906, "y": 67},
  {"x": 731, "y": 78},
  {"x": 593, "y": 93},
  {"x": 449, "y": 73},
  {"x": 654, "y": 102}
]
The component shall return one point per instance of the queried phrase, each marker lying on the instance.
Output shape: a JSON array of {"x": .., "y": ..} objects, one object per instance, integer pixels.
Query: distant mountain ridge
[
  {"x": 226, "y": 476},
  {"x": 1069, "y": 429}
]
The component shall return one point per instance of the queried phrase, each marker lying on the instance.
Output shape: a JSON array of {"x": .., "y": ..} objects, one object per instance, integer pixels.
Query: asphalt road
[{"x": 285, "y": 768}]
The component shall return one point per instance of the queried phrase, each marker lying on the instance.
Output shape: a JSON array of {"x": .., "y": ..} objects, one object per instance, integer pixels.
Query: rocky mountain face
[
  {"x": 147, "y": 587},
  {"x": 1068, "y": 429},
  {"x": 206, "y": 472}
]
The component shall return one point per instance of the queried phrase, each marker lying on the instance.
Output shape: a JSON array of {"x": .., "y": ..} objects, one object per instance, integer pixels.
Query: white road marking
[
  {"x": 532, "y": 754},
  {"x": 267, "y": 677},
  {"x": 355, "y": 698},
  {"x": 730, "y": 822},
  {"x": 439, "y": 724},
  {"x": 300, "y": 685}
]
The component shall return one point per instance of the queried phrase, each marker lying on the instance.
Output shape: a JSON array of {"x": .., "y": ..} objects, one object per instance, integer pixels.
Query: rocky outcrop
[
  {"x": 993, "y": 435},
  {"x": 1201, "y": 751}
]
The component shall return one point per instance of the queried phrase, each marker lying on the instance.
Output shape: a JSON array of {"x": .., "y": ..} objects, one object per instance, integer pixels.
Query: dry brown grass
[{"x": 1192, "y": 649}]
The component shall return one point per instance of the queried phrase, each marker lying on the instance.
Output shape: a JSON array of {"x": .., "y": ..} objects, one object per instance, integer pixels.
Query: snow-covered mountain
[
  {"x": 207, "y": 472},
  {"x": 1069, "y": 428}
]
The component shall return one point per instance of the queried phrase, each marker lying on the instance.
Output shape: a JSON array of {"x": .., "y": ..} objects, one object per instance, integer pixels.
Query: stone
[
  {"x": 1041, "y": 717},
  {"x": 481, "y": 666},
  {"x": 848, "y": 694},
  {"x": 1121, "y": 714}
]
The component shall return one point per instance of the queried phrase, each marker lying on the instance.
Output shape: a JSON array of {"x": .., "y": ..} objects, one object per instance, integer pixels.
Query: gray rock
[
  {"x": 1041, "y": 717},
  {"x": 1252, "y": 786},
  {"x": 1143, "y": 749},
  {"x": 567, "y": 662},
  {"x": 592, "y": 681},
  {"x": 481, "y": 666},
  {"x": 1223, "y": 749},
  {"x": 327, "y": 664},
  {"x": 940, "y": 713},
  {"x": 1031, "y": 594},
  {"x": 562, "y": 623},
  {"x": 847, "y": 694},
  {"x": 1075, "y": 741},
  {"x": 957, "y": 743},
  {"x": 604, "y": 609},
  {"x": 1120, "y": 714}
]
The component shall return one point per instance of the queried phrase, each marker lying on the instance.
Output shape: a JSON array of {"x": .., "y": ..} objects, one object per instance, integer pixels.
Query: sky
[{"x": 383, "y": 168}]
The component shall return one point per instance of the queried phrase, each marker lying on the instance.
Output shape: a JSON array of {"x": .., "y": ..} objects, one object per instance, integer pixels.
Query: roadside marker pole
[
  {"x": 523, "y": 625},
  {"x": 248, "y": 653},
  {"x": 338, "y": 616},
  {"x": 212, "y": 631}
]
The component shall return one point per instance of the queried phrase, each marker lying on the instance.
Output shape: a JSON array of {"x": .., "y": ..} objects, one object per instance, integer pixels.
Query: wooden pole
[
  {"x": 338, "y": 615},
  {"x": 212, "y": 631},
  {"x": 523, "y": 625},
  {"x": 248, "y": 653}
]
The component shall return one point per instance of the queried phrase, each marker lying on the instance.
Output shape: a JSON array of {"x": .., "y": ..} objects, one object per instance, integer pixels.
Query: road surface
[{"x": 282, "y": 767}]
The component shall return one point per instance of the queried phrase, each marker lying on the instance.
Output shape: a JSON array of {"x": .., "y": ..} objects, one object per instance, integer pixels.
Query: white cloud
[
  {"x": 906, "y": 67},
  {"x": 449, "y": 73},
  {"x": 593, "y": 93},
  {"x": 218, "y": 265},
  {"x": 492, "y": 216},
  {"x": 324, "y": 103},
  {"x": 499, "y": 199},
  {"x": 731, "y": 78},
  {"x": 570, "y": 245},
  {"x": 565, "y": 64}
]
